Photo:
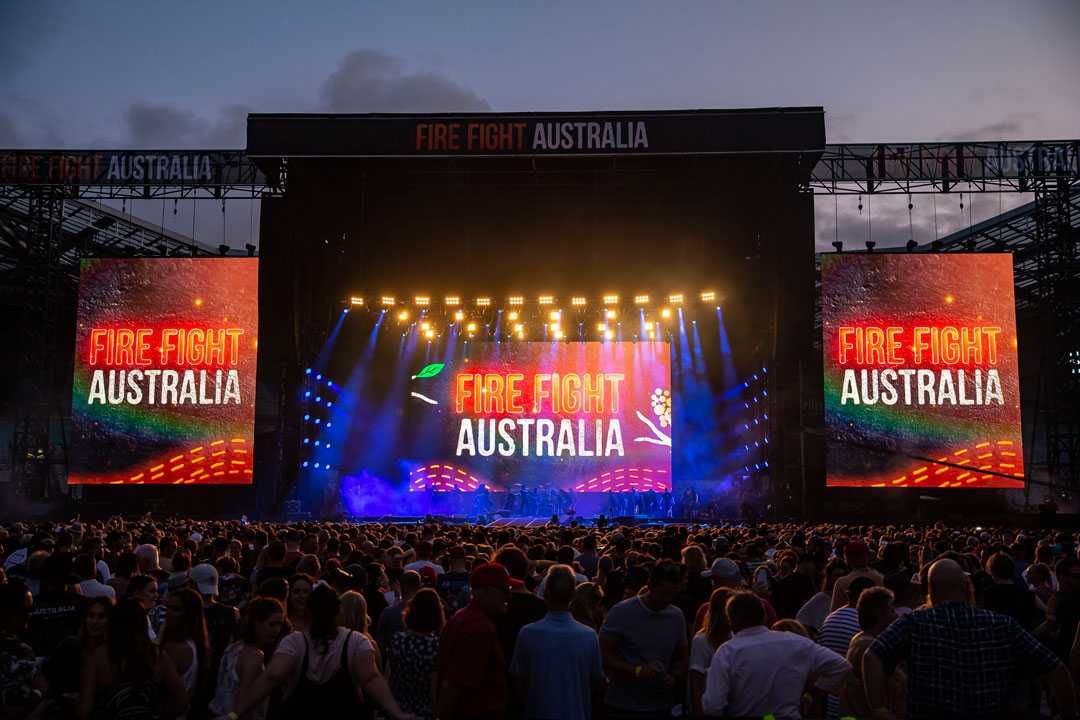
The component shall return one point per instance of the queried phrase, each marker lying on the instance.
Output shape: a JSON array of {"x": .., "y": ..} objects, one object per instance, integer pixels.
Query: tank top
[
  {"x": 337, "y": 697},
  {"x": 227, "y": 695}
]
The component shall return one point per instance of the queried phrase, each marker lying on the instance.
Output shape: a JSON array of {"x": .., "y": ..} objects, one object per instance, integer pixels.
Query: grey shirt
[
  {"x": 642, "y": 636},
  {"x": 559, "y": 659}
]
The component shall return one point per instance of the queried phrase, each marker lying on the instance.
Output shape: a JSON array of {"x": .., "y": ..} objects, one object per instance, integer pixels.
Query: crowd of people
[{"x": 176, "y": 618}]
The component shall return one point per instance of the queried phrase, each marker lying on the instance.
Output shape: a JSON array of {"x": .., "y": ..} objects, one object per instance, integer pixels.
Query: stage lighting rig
[
  {"x": 839, "y": 245},
  {"x": 641, "y": 299}
]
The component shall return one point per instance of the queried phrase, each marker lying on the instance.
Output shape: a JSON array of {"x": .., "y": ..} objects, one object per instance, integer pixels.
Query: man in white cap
[{"x": 221, "y": 620}]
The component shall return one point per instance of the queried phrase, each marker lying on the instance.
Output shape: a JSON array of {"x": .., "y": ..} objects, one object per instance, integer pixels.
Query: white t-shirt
[
  {"x": 93, "y": 589},
  {"x": 423, "y": 564},
  {"x": 322, "y": 665},
  {"x": 701, "y": 653}
]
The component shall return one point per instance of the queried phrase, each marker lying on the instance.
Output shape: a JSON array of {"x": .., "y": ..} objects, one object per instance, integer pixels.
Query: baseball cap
[
  {"x": 722, "y": 568},
  {"x": 205, "y": 577},
  {"x": 428, "y": 575},
  {"x": 196, "y": 536},
  {"x": 492, "y": 575}
]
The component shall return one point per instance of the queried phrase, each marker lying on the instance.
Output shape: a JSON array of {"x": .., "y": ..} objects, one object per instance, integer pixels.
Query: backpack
[{"x": 337, "y": 697}]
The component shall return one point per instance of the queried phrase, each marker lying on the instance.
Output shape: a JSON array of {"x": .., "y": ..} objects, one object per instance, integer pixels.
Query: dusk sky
[{"x": 183, "y": 75}]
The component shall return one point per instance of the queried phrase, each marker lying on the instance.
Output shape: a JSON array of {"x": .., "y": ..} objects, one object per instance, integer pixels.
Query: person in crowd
[
  {"x": 184, "y": 640},
  {"x": 300, "y": 587},
  {"x": 413, "y": 654},
  {"x": 556, "y": 664},
  {"x": 233, "y": 588},
  {"x": 221, "y": 620},
  {"x": 814, "y": 611},
  {"x": 838, "y": 629},
  {"x": 588, "y": 559},
  {"x": 794, "y": 584},
  {"x": 245, "y": 659},
  {"x": 587, "y": 607},
  {"x": 472, "y": 668},
  {"x": 128, "y": 676},
  {"x": 645, "y": 646},
  {"x": 89, "y": 585},
  {"x": 392, "y": 620},
  {"x": 857, "y": 557},
  {"x": 705, "y": 642},
  {"x": 423, "y": 558},
  {"x": 354, "y": 616},
  {"x": 375, "y": 588},
  {"x": 453, "y": 585},
  {"x": 322, "y": 667},
  {"x": 1005, "y": 595},
  {"x": 124, "y": 567},
  {"x": 791, "y": 626},
  {"x": 761, "y": 672},
  {"x": 58, "y": 609},
  {"x": 961, "y": 661},
  {"x": 18, "y": 663},
  {"x": 523, "y": 607},
  {"x": 95, "y": 624},
  {"x": 876, "y": 611},
  {"x": 698, "y": 588}
]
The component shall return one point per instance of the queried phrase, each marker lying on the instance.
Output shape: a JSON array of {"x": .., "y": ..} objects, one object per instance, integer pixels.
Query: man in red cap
[
  {"x": 857, "y": 556},
  {"x": 472, "y": 669}
]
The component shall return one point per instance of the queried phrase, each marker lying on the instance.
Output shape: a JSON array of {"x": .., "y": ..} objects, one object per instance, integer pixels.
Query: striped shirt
[{"x": 836, "y": 633}]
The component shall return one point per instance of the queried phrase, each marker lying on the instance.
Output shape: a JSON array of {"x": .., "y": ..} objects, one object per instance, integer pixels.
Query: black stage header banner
[
  {"x": 124, "y": 167},
  {"x": 687, "y": 132}
]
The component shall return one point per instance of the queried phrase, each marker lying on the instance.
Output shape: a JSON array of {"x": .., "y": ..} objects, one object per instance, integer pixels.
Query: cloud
[
  {"x": 161, "y": 125},
  {"x": 1007, "y": 129},
  {"x": 370, "y": 81}
]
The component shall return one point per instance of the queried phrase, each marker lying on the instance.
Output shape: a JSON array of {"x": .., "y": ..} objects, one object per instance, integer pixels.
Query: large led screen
[
  {"x": 164, "y": 384},
  {"x": 921, "y": 380},
  {"x": 584, "y": 417}
]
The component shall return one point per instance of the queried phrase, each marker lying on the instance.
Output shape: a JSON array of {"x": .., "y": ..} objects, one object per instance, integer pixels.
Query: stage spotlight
[
  {"x": 546, "y": 300},
  {"x": 665, "y": 313},
  {"x": 558, "y": 334},
  {"x": 519, "y": 328},
  {"x": 911, "y": 245},
  {"x": 601, "y": 327},
  {"x": 521, "y": 336},
  {"x": 483, "y": 302},
  {"x": 949, "y": 299},
  {"x": 250, "y": 249},
  {"x": 403, "y": 316},
  {"x": 577, "y": 301},
  {"x": 425, "y": 326},
  {"x": 652, "y": 335},
  {"x": 870, "y": 245},
  {"x": 453, "y": 300},
  {"x": 675, "y": 299},
  {"x": 641, "y": 299},
  {"x": 708, "y": 296},
  {"x": 516, "y": 300},
  {"x": 429, "y": 334},
  {"x": 554, "y": 315},
  {"x": 356, "y": 300},
  {"x": 839, "y": 245},
  {"x": 223, "y": 250},
  {"x": 459, "y": 316},
  {"x": 387, "y": 300},
  {"x": 422, "y": 300},
  {"x": 609, "y": 335},
  {"x": 471, "y": 327},
  {"x": 513, "y": 315},
  {"x": 554, "y": 327},
  {"x": 611, "y": 299},
  {"x": 610, "y": 314}
]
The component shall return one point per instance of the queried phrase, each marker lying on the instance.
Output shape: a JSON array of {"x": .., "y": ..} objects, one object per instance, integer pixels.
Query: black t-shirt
[
  {"x": 1012, "y": 600},
  {"x": 791, "y": 593},
  {"x": 523, "y": 608},
  {"x": 55, "y": 617},
  {"x": 694, "y": 595}
]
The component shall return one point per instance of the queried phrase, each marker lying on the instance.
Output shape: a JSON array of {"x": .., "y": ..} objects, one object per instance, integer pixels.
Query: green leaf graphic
[{"x": 430, "y": 370}]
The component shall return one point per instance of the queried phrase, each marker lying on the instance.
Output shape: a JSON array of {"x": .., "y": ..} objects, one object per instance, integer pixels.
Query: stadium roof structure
[{"x": 86, "y": 228}]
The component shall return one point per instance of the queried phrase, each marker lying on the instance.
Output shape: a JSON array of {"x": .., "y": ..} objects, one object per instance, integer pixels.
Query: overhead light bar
[
  {"x": 452, "y": 301},
  {"x": 516, "y": 300},
  {"x": 611, "y": 299},
  {"x": 641, "y": 299},
  {"x": 675, "y": 299},
  {"x": 483, "y": 302},
  {"x": 546, "y": 300},
  {"x": 356, "y": 300},
  {"x": 577, "y": 301},
  {"x": 708, "y": 296},
  {"x": 422, "y": 300},
  {"x": 387, "y": 300}
]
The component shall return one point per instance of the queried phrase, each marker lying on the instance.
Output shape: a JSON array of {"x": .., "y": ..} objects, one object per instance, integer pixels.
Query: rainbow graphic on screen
[
  {"x": 921, "y": 379},
  {"x": 165, "y": 361}
]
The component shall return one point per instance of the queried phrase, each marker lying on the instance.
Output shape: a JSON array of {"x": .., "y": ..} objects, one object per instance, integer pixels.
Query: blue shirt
[{"x": 559, "y": 659}]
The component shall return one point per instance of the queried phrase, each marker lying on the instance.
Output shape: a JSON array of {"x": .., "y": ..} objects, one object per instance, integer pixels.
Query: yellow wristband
[{"x": 637, "y": 671}]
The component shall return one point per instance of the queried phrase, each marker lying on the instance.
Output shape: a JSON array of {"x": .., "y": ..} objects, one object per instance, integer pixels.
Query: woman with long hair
[
  {"x": 94, "y": 631},
  {"x": 354, "y": 615},
  {"x": 184, "y": 639},
  {"x": 125, "y": 677},
  {"x": 245, "y": 659},
  {"x": 324, "y": 666},
  {"x": 413, "y": 654},
  {"x": 300, "y": 587},
  {"x": 587, "y": 607},
  {"x": 714, "y": 632}
]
